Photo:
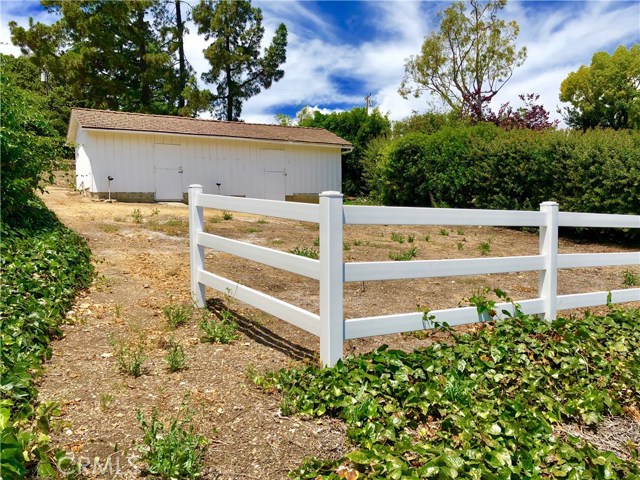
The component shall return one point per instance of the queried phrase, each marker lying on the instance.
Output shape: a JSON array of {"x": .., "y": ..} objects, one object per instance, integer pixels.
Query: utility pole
[{"x": 368, "y": 100}]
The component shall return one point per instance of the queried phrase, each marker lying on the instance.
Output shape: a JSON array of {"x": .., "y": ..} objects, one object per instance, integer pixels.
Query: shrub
[
  {"x": 483, "y": 166},
  {"x": 43, "y": 264}
]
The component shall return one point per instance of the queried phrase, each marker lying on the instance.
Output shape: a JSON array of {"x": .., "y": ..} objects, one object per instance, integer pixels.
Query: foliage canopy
[
  {"x": 468, "y": 61},
  {"x": 605, "y": 93},
  {"x": 237, "y": 67}
]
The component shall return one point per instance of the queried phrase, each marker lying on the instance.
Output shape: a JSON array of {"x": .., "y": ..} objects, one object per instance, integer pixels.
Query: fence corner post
[
  {"x": 548, "y": 278},
  {"x": 331, "y": 278},
  {"x": 196, "y": 252}
]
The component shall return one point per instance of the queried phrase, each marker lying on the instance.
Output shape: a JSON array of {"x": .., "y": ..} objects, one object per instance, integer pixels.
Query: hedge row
[
  {"x": 43, "y": 265},
  {"x": 485, "y": 167}
]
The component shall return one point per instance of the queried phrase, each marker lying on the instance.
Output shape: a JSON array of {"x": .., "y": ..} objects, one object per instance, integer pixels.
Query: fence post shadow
[{"x": 263, "y": 335}]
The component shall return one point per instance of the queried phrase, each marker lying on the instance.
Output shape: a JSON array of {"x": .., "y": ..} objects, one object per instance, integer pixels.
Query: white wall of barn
[{"x": 240, "y": 166}]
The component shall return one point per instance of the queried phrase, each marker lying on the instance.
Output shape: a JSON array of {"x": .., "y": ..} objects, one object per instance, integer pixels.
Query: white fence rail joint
[{"x": 332, "y": 272}]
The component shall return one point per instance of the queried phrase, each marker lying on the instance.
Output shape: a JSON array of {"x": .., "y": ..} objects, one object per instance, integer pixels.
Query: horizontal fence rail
[{"x": 332, "y": 272}]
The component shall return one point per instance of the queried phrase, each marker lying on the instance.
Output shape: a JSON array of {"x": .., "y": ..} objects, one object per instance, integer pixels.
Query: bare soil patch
[{"x": 142, "y": 258}]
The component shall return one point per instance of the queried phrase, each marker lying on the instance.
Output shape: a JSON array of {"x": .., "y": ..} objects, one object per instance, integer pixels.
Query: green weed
[
  {"x": 175, "y": 358},
  {"x": 305, "y": 252},
  {"x": 172, "y": 450},
  {"x": 227, "y": 215},
  {"x": 129, "y": 354},
  {"x": 219, "y": 331},
  {"x": 408, "y": 254},
  {"x": 630, "y": 279},
  {"x": 396, "y": 237},
  {"x": 484, "y": 248},
  {"x": 176, "y": 315},
  {"x": 444, "y": 232},
  {"x": 136, "y": 216}
]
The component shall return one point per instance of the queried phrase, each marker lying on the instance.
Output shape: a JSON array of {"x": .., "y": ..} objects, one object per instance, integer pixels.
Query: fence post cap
[
  {"x": 331, "y": 194},
  {"x": 549, "y": 204},
  {"x": 195, "y": 185}
]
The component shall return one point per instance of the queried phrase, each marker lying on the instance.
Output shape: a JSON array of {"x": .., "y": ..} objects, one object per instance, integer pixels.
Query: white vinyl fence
[{"x": 332, "y": 271}]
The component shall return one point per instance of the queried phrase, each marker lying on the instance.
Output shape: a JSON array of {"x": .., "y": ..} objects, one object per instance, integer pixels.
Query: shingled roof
[{"x": 140, "y": 122}]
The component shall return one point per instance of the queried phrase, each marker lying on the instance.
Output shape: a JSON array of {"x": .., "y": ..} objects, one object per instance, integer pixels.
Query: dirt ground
[{"x": 142, "y": 259}]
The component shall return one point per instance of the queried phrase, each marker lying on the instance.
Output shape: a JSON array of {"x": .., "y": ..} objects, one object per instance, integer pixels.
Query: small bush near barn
[{"x": 490, "y": 405}]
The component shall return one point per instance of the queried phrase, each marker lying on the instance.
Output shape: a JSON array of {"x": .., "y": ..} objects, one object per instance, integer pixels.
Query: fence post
[
  {"x": 196, "y": 252},
  {"x": 548, "y": 278},
  {"x": 331, "y": 278}
]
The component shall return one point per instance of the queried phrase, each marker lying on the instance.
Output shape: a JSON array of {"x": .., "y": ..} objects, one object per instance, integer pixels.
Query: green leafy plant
[
  {"x": 630, "y": 279},
  {"x": 262, "y": 221},
  {"x": 487, "y": 404},
  {"x": 219, "y": 331},
  {"x": 173, "y": 449},
  {"x": 227, "y": 215},
  {"x": 175, "y": 357},
  {"x": 177, "y": 315},
  {"x": 396, "y": 237},
  {"x": 427, "y": 237},
  {"x": 460, "y": 231},
  {"x": 460, "y": 246},
  {"x": 484, "y": 248},
  {"x": 346, "y": 246},
  {"x": 305, "y": 252},
  {"x": 411, "y": 238},
  {"x": 136, "y": 216},
  {"x": 129, "y": 354},
  {"x": 408, "y": 254},
  {"x": 444, "y": 232},
  {"x": 357, "y": 243}
]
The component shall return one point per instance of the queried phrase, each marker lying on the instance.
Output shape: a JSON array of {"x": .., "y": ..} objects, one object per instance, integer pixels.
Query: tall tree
[
  {"x": 468, "y": 60},
  {"x": 237, "y": 67},
  {"x": 606, "y": 93},
  {"x": 117, "y": 55}
]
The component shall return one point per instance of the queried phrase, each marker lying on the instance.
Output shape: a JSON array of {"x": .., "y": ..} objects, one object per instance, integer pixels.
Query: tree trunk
[
  {"x": 182, "y": 66},
  {"x": 145, "y": 89}
]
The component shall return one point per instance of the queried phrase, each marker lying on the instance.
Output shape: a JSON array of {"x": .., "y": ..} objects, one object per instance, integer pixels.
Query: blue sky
[{"x": 340, "y": 51}]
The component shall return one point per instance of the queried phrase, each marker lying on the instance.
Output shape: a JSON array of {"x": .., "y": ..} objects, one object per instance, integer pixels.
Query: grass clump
[
  {"x": 221, "y": 330},
  {"x": 489, "y": 405},
  {"x": 227, "y": 215},
  {"x": 306, "y": 252},
  {"x": 136, "y": 216},
  {"x": 176, "y": 315},
  {"x": 172, "y": 450}
]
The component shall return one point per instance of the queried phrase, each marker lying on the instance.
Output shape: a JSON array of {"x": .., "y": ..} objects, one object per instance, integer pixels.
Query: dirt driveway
[{"x": 142, "y": 258}]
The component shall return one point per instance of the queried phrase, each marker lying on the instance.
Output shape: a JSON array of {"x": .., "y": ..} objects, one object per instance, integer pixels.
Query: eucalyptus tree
[{"x": 468, "y": 60}]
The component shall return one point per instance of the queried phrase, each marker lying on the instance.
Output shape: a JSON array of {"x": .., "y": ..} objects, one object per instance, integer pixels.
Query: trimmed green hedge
[
  {"x": 485, "y": 167},
  {"x": 43, "y": 265}
]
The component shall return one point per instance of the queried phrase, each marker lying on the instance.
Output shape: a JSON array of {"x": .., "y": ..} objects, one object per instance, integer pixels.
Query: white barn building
[{"x": 156, "y": 157}]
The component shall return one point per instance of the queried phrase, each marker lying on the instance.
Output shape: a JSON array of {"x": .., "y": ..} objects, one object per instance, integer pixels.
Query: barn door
[
  {"x": 275, "y": 174},
  {"x": 168, "y": 172}
]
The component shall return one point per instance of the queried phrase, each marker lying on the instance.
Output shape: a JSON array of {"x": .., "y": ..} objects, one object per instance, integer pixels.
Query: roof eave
[{"x": 248, "y": 139}]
